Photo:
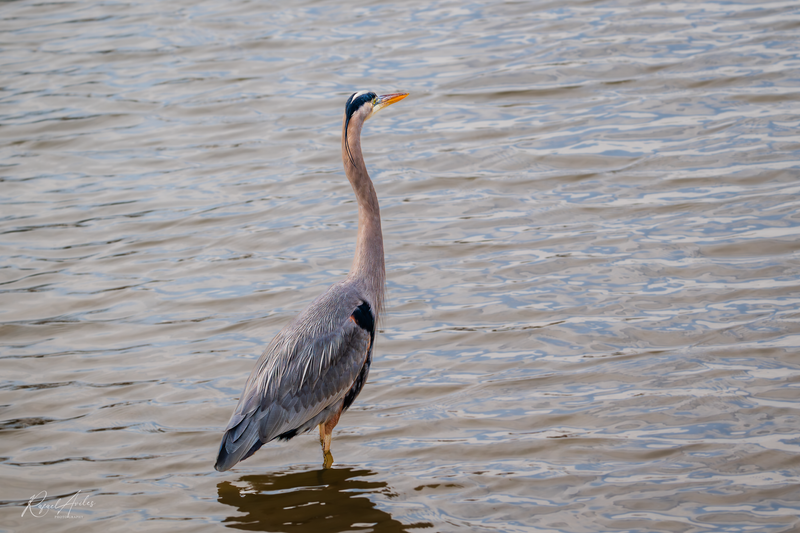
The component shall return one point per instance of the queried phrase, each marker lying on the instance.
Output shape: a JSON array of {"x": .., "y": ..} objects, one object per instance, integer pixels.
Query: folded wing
[{"x": 306, "y": 371}]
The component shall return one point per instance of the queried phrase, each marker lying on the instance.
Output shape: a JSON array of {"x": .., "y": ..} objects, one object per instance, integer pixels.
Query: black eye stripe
[{"x": 353, "y": 104}]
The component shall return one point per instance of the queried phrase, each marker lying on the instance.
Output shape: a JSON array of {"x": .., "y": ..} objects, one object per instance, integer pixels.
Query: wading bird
[{"x": 315, "y": 367}]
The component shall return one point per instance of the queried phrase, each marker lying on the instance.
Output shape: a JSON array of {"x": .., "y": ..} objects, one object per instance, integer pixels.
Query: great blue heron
[{"x": 315, "y": 367}]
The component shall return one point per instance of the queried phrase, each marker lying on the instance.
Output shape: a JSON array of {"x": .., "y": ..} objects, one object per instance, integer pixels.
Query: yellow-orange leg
[{"x": 325, "y": 435}]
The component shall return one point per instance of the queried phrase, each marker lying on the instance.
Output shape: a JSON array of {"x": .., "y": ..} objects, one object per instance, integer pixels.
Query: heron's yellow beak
[{"x": 386, "y": 100}]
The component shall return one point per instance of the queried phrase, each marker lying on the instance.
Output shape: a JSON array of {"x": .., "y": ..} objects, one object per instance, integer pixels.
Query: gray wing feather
[{"x": 309, "y": 366}]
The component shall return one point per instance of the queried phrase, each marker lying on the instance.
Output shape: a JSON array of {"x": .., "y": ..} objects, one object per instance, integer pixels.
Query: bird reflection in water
[{"x": 313, "y": 501}]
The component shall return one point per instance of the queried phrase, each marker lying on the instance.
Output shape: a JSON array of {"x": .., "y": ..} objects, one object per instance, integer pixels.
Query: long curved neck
[{"x": 368, "y": 265}]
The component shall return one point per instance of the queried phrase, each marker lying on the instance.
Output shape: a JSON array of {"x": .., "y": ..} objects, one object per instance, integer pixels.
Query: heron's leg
[
  {"x": 325, "y": 442},
  {"x": 325, "y": 435}
]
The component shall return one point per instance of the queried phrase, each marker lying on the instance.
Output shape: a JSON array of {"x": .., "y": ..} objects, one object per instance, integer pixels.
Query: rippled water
[{"x": 591, "y": 214}]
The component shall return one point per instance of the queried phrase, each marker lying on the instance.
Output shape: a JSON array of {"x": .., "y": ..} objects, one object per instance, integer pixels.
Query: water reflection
[{"x": 317, "y": 500}]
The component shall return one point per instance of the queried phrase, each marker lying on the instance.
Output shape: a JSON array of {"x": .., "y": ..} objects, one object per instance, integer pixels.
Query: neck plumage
[{"x": 368, "y": 265}]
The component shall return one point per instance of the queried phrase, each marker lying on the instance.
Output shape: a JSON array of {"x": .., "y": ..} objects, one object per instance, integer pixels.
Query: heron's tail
[{"x": 233, "y": 449}]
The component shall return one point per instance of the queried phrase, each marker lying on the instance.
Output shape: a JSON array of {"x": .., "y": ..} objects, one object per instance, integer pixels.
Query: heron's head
[{"x": 362, "y": 105}]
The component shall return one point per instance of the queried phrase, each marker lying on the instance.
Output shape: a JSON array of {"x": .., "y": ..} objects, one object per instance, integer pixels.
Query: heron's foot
[{"x": 327, "y": 460}]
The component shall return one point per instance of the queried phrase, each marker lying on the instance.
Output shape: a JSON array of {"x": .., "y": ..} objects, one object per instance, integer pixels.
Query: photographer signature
[{"x": 38, "y": 508}]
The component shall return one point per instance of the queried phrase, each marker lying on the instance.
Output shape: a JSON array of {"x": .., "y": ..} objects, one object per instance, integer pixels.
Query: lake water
[{"x": 591, "y": 213}]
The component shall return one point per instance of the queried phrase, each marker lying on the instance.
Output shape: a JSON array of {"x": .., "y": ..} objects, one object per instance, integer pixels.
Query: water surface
[{"x": 591, "y": 214}]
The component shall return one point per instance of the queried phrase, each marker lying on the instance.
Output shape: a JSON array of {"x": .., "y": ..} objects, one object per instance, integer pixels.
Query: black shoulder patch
[{"x": 362, "y": 316}]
